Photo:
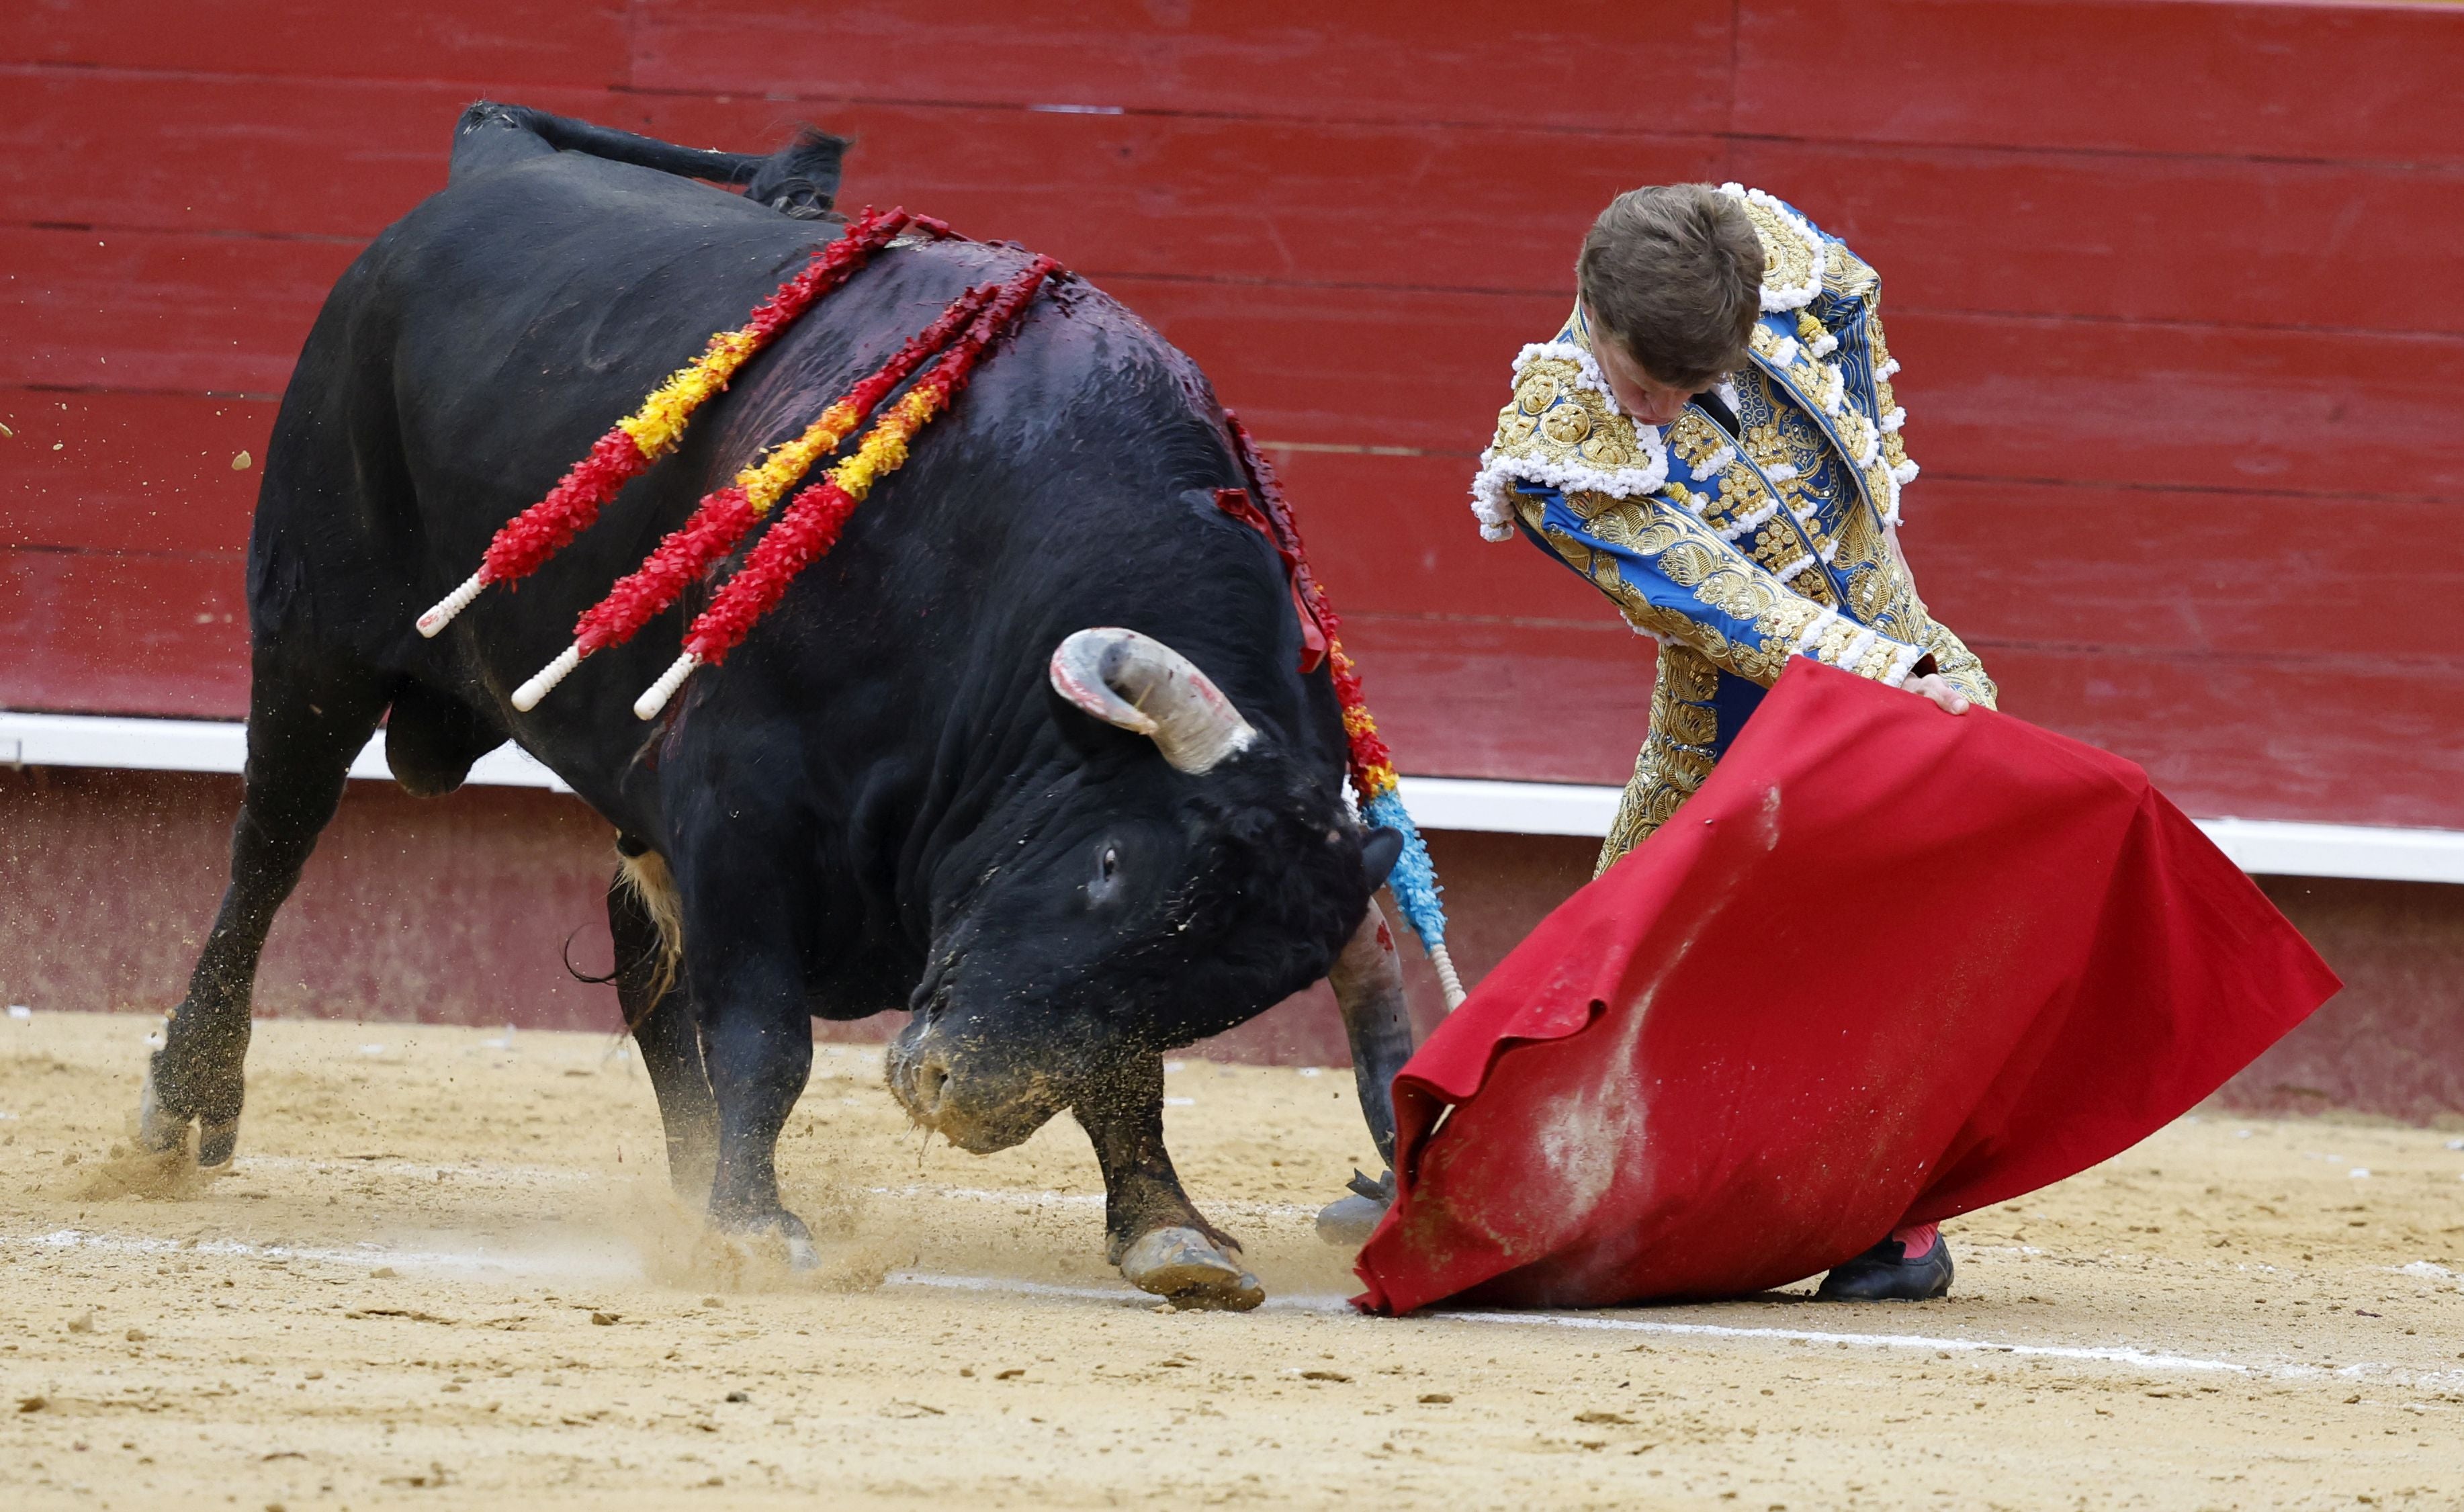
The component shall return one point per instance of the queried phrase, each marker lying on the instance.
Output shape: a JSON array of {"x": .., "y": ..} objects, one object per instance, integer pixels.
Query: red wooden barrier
[
  {"x": 124, "y": 632},
  {"x": 1574, "y": 64},
  {"x": 2168, "y": 239},
  {"x": 2178, "y": 284},
  {"x": 2230, "y": 78},
  {"x": 533, "y": 42},
  {"x": 132, "y": 471},
  {"x": 2022, "y": 397}
]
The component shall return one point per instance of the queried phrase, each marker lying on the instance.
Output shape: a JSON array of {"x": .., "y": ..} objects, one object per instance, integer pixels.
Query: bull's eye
[{"x": 1101, "y": 887}]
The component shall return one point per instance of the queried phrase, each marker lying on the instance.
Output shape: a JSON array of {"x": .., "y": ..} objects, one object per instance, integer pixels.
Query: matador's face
[{"x": 1641, "y": 396}]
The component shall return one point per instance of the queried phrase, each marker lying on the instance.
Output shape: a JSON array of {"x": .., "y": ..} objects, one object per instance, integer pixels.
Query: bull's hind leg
[
  {"x": 307, "y": 718},
  {"x": 659, "y": 1009},
  {"x": 1154, "y": 1232}
]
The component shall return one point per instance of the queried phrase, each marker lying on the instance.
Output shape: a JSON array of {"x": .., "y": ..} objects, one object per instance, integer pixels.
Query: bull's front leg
[
  {"x": 1152, "y": 1231},
  {"x": 1368, "y": 982}
]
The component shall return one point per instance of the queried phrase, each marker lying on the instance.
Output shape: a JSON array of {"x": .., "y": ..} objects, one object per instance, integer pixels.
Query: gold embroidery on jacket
[
  {"x": 1845, "y": 275},
  {"x": 1787, "y": 258},
  {"x": 1814, "y": 389},
  {"x": 1798, "y": 417},
  {"x": 1558, "y": 419},
  {"x": 1895, "y": 450}
]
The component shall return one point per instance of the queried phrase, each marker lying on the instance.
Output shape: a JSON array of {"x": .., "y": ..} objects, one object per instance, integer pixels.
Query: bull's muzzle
[{"x": 962, "y": 1088}]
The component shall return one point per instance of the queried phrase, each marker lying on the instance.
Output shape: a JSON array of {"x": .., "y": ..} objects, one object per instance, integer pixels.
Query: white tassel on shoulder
[
  {"x": 655, "y": 698},
  {"x": 453, "y": 604},
  {"x": 526, "y": 697}
]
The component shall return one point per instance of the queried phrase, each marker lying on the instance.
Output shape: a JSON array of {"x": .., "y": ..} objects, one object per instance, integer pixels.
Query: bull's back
[
  {"x": 487, "y": 339},
  {"x": 468, "y": 357},
  {"x": 536, "y": 305}
]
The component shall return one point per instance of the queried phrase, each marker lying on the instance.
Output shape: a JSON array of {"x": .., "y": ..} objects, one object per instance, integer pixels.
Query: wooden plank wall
[{"x": 2179, "y": 285}]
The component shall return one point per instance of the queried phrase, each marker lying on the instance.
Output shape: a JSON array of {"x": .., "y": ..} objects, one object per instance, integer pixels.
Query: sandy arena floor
[{"x": 446, "y": 1272}]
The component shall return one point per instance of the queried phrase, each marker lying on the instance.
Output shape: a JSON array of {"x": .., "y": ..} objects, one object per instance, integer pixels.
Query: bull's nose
[
  {"x": 932, "y": 1075},
  {"x": 954, "y": 1093}
]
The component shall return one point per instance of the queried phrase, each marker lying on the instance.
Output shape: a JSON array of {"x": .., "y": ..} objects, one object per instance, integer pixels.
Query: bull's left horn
[{"x": 1138, "y": 682}]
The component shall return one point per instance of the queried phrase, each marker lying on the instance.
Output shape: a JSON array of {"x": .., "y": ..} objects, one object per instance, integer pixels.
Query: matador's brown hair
[{"x": 1674, "y": 274}]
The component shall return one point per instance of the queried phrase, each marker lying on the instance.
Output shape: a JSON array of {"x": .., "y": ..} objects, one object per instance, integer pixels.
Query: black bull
[{"x": 880, "y": 799}]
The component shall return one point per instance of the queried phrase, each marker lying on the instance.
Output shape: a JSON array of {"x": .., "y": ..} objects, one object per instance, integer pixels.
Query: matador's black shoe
[{"x": 1912, "y": 1266}]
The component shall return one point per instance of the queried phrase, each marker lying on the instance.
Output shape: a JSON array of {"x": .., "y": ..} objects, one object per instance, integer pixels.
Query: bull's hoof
[
  {"x": 1347, "y": 1223},
  {"x": 780, "y": 1225},
  {"x": 217, "y": 1143},
  {"x": 159, "y": 1131},
  {"x": 1184, "y": 1268},
  {"x": 162, "y": 1121}
]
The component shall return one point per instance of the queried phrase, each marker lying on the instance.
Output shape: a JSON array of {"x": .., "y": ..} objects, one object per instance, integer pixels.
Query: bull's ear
[{"x": 1378, "y": 854}]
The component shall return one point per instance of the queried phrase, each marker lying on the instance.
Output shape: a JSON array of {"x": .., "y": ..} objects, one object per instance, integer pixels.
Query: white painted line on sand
[
  {"x": 2110, "y": 1354},
  {"x": 600, "y": 1266},
  {"x": 1078, "y": 1199},
  {"x": 514, "y": 1175},
  {"x": 605, "y": 1265},
  {"x": 2424, "y": 1270},
  {"x": 1022, "y": 1197},
  {"x": 2119, "y": 1355},
  {"x": 1007, "y": 1286},
  {"x": 483, "y": 1169},
  {"x": 2085, "y": 1354}
]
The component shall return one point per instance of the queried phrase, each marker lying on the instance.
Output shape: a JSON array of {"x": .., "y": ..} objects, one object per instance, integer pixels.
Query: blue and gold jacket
[{"x": 1735, "y": 549}]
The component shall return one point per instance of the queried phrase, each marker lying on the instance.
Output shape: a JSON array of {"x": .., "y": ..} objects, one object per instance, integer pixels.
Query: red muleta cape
[{"x": 1885, "y": 967}]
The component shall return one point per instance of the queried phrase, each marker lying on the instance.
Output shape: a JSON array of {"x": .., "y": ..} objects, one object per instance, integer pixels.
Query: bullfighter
[{"x": 1712, "y": 439}]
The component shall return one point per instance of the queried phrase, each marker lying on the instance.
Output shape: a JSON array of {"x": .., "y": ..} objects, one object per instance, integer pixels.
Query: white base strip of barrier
[{"x": 2266, "y": 846}]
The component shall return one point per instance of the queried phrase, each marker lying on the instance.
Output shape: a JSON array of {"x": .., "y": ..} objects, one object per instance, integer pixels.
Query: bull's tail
[
  {"x": 654, "y": 887},
  {"x": 801, "y": 179}
]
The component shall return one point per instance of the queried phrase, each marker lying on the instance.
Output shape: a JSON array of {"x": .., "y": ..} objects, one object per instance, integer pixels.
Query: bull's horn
[{"x": 1138, "y": 682}]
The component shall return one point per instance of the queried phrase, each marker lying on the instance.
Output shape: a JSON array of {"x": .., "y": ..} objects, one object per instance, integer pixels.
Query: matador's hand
[{"x": 1934, "y": 685}]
